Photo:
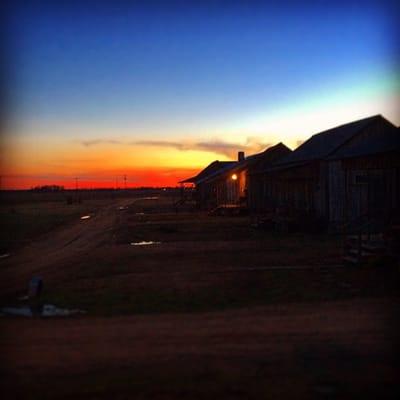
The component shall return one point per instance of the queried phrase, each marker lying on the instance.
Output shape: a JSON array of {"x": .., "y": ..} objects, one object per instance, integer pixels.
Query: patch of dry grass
[{"x": 202, "y": 263}]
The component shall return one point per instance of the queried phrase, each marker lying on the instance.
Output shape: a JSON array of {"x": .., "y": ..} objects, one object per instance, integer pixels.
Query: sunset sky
[{"x": 157, "y": 90}]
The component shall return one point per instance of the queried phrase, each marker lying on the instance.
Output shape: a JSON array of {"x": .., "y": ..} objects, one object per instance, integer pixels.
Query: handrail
[
  {"x": 359, "y": 231},
  {"x": 358, "y": 224}
]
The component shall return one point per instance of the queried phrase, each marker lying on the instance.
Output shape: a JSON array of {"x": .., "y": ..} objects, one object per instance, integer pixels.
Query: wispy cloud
[
  {"x": 253, "y": 144},
  {"x": 161, "y": 143},
  {"x": 94, "y": 142}
]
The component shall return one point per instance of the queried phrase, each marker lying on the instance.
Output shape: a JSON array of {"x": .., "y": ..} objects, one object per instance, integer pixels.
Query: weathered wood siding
[
  {"x": 223, "y": 190},
  {"x": 293, "y": 189},
  {"x": 336, "y": 192},
  {"x": 259, "y": 190},
  {"x": 372, "y": 187},
  {"x": 257, "y": 199}
]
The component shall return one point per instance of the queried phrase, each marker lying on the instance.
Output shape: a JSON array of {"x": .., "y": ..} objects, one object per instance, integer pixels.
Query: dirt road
[
  {"x": 45, "y": 256},
  {"x": 331, "y": 350}
]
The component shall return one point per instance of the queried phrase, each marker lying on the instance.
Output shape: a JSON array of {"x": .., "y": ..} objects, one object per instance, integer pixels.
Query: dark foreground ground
[
  {"x": 343, "y": 349},
  {"x": 217, "y": 309}
]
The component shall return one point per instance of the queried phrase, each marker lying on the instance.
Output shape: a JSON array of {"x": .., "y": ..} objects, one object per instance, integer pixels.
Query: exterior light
[{"x": 234, "y": 177}]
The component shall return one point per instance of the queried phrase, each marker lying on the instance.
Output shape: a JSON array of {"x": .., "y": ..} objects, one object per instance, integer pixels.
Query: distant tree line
[
  {"x": 58, "y": 188},
  {"x": 48, "y": 188}
]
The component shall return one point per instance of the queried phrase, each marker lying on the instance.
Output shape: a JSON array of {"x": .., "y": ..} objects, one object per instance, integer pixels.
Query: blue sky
[{"x": 222, "y": 71}]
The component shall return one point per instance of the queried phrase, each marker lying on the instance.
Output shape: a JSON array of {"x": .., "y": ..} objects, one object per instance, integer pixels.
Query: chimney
[{"x": 240, "y": 156}]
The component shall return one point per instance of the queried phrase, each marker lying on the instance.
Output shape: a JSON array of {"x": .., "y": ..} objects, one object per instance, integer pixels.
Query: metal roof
[
  {"x": 210, "y": 169},
  {"x": 387, "y": 141},
  {"x": 323, "y": 144},
  {"x": 250, "y": 160}
]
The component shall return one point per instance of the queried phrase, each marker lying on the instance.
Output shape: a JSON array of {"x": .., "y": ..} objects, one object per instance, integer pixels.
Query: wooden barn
[
  {"x": 340, "y": 175},
  {"x": 204, "y": 194},
  {"x": 234, "y": 185},
  {"x": 258, "y": 184},
  {"x": 364, "y": 180}
]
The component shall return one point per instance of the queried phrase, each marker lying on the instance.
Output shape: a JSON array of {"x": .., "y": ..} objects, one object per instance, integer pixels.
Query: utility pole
[
  {"x": 76, "y": 190},
  {"x": 125, "y": 181}
]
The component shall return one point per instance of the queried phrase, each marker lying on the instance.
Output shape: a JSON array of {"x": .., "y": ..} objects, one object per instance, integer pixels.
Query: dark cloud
[
  {"x": 229, "y": 149},
  {"x": 252, "y": 145}
]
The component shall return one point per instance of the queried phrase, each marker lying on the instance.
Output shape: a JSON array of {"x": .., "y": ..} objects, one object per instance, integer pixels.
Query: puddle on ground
[
  {"x": 86, "y": 217},
  {"x": 144, "y": 243},
  {"x": 4, "y": 255},
  {"x": 48, "y": 310},
  {"x": 20, "y": 311},
  {"x": 139, "y": 213},
  {"x": 52, "y": 311},
  {"x": 122, "y": 208},
  {"x": 149, "y": 198}
]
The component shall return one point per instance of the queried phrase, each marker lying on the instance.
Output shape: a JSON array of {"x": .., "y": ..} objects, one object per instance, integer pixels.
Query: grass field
[
  {"x": 23, "y": 223},
  {"x": 214, "y": 309},
  {"x": 207, "y": 263},
  {"x": 198, "y": 262},
  {"x": 25, "y": 215}
]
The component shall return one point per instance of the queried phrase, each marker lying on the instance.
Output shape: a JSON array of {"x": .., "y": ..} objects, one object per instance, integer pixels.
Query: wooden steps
[{"x": 359, "y": 249}]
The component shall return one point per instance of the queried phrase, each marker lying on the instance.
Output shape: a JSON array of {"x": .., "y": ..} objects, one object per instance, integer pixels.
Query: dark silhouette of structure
[
  {"x": 341, "y": 175},
  {"x": 347, "y": 175}
]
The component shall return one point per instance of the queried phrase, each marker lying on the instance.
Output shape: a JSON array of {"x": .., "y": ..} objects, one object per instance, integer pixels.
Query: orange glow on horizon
[
  {"x": 42, "y": 160},
  {"x": 151, "y": 177}
]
